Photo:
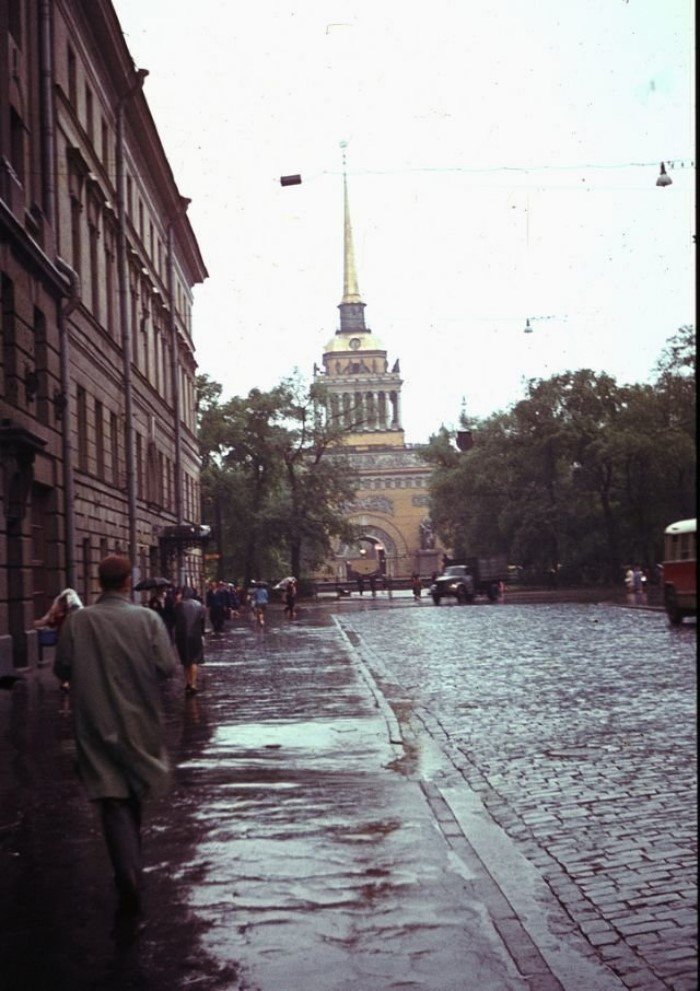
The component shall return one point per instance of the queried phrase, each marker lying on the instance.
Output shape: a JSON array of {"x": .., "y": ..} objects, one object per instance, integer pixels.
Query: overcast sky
[{"x": 501, "y": 159}]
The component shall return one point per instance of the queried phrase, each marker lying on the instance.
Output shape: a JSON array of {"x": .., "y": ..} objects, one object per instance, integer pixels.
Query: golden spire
[{"x": 351, "y": 292}]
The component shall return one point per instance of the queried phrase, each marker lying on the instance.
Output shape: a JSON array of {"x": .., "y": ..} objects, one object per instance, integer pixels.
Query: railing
[{"x": 384, "y": 586}]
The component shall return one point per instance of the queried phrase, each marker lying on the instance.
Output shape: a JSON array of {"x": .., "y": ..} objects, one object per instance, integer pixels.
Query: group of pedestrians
[
  {"x": 223, "y": 600},
  {"x": 229, "y": 600},
  {"x": 635, "y": 580}
]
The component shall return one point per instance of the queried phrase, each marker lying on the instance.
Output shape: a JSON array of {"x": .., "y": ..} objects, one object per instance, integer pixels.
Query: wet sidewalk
[{"x": 311, "y": 841}]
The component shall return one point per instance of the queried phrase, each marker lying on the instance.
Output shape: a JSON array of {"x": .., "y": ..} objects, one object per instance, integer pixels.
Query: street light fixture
[{"x": 664, "y": 178}]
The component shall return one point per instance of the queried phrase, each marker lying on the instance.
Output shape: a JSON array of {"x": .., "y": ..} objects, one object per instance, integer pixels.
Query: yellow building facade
[{"x": 391, "y": 506}]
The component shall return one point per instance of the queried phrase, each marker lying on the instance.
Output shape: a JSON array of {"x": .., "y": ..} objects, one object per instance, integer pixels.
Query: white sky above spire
[{"x": 501, "y": 164}]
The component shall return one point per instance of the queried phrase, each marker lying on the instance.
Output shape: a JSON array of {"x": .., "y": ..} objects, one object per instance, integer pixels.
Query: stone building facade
[
  {"x": 391, "y": 506},
  {"x": 98, "y": 261}
]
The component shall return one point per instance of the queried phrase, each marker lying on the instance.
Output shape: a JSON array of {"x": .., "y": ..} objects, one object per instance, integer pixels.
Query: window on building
[
  {"x": 89, "y": 115},
  {"x": 8, "y": 366},
  {"x": 161, "y": 479},
  {"x": 141, "y": 219},
  {"x": 72, "y": 78},
  {"x": 99, "y": 439},
  {"x": 109, "y": 284},
  {"x": 17, "y": 144},
  {"x": 82, "y": 415},
  {"x": 114, "y": 443},
  {"x": 139, "y": 465},
  {"x": 129, "y": 196},
  {"x": 14, "y": 21},
  {"x": 41, "y": 366},
  {"x": 168, "y": 484},
  {"x": 94, "y": 271},
  {"x": 76, "y": 212},
  {"x": 134, "y": 343},
  {"x": 105, "y": 143},
  {"x": 145, "y": 346},
  {"x": 87, "y": 571}
]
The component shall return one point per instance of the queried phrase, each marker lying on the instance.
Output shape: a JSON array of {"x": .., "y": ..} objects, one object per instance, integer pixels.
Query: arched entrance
[{"x": 375, "y": 553}]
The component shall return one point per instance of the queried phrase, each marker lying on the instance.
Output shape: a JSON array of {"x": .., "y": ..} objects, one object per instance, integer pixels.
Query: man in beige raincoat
[{"x": 114, "y": 654}]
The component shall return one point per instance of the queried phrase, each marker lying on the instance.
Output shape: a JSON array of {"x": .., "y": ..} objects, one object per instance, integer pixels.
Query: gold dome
[{"x": 353, "y": 343}]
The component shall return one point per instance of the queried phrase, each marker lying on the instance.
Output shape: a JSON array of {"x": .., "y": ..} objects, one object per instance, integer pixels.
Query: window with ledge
[
  {"x": 89, "y": 115},
  {"x": 94, "y": 267},
  {"x": 109, "y": 263},
  {"x": 105, "y": 143},
  {"x": 17, "y": 144},
  {"x": 72, "y": 78},
  {"x": 99, "y": 439},
  {"x": 139, "y": 465},
  {"x": 41, "y": 366},
  {"x": 14, "y": 21},
  {"x": 114, "y": 440},
  {"x": 82, "y": 425}
]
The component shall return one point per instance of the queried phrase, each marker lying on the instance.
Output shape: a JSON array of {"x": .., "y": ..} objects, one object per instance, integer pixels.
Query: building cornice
[{"x": 101, "y": 23}]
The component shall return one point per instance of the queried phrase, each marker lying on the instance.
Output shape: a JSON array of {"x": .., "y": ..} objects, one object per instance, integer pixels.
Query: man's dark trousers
[{"x": 121, "y": 824}]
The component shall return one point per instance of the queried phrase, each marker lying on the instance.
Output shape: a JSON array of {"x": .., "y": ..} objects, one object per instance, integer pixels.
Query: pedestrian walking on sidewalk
[
  {"x": 115, "y": 654},
  {"x": 260, "y": 601},
  {"x": 190, "y": 623},
  {"x": 416, "y": 586},
  {"x": 290, "y": 598}
]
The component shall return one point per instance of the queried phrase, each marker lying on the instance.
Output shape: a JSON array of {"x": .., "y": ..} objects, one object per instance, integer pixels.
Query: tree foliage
[
  {"x": 580, "y": 477},
  {"x": 274, "y": 480}
]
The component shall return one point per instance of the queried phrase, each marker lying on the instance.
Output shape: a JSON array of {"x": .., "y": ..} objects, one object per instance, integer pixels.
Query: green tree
[
  {"x": 581, "y": 475},
  {"x": 274, "y": 479}
]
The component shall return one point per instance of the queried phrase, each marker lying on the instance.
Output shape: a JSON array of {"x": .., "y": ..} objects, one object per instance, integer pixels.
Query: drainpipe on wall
[
  {"x": 64, "y": 311},
  {"x": 125, "y": 317}
]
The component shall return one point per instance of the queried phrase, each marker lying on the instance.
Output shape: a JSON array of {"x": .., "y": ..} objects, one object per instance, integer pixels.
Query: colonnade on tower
[{"x": 373, "y": 410}]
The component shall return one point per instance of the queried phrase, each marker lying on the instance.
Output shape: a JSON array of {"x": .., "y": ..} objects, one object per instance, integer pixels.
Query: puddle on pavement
[{"x": 316, "y": 735}]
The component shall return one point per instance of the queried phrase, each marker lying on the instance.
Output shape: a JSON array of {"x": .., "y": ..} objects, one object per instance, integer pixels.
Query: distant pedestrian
[
  {"x": 416, "y": 586},
  {"x": 361, "y": 585},
  {"x": 638, "y": 581},
  {"x": 290, "y": 598},
  {"x": 217, "y": 604},
  {"x": 261, "y": 599},
  {"x": 168, "y": 613},
  {"x": 190, "y": 624},
  {"x": 114, "y": 654},
  {"x": 373, "y": 585}
]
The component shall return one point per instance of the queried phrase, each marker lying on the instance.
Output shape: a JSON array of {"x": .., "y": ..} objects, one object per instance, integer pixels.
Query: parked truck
[{"x": 477, "y": 576}]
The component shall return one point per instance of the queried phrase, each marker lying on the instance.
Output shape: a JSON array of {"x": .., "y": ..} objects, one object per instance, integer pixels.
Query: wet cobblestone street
[{"x": 575, "y": 724}]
